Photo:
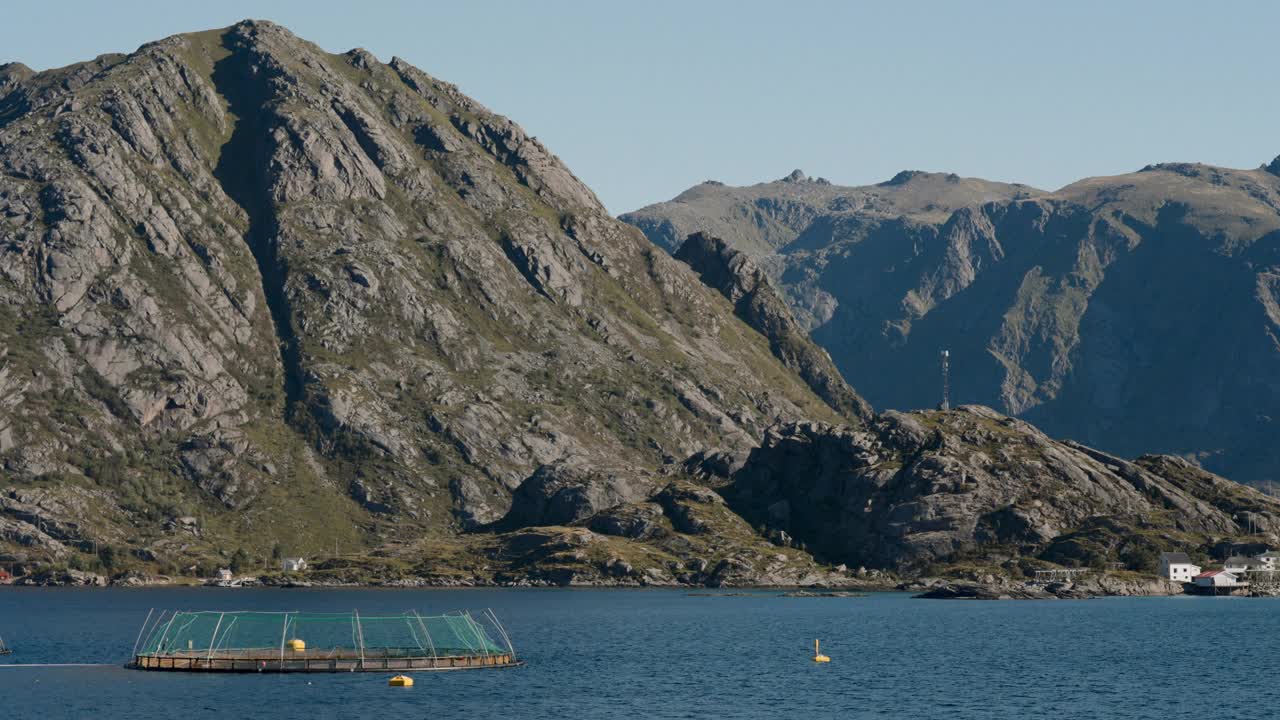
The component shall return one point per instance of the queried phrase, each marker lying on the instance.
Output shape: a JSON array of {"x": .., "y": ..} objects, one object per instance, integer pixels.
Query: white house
[
  {"x": 1238, "y": 565},
  {"x": 1177, "y": 567},
  {"x": 225, "y": 574},
  {"x": 293, "y": 564}
]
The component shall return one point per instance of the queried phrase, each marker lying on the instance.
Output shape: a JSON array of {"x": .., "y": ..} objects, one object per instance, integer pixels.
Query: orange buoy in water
[{"x": 401, "y": 681}]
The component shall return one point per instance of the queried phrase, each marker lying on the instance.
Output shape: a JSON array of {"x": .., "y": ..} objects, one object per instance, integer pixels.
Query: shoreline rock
[{"x": 1089, "y": 586}]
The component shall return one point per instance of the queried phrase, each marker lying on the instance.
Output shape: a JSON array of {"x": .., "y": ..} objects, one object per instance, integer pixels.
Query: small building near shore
[
  {"x": 1270, "y": 560},
  {"x": 293, "y": 564},
  {"x": 1216, "y": 580},
  {"x": 225, "y": 574},
  {"x": 1177, "y": 567}
]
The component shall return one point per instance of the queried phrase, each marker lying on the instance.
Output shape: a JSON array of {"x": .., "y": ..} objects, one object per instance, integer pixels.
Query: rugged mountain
[
  {"x": 256, "y": 294},
  {"x": 919, "y": 491},
  {"x": 755, "y": 301},
  {"x": 258, "y": 298},
  {"x": 764, "y": 218},
  {"x": 1137, "y": 313}
]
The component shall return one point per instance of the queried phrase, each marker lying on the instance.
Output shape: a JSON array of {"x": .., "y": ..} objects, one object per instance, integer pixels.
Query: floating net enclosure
[{"x": 321, "y": 642}]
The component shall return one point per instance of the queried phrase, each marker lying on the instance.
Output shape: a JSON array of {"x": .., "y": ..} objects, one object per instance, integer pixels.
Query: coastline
[
  {"x": 1090, "y": 586},
  {"x": 101, "y": 582},
  {"x": 931, "y": 588}
]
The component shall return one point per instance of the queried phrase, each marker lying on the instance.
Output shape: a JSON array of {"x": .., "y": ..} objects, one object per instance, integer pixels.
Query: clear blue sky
[{"x": 643, "y": 99}]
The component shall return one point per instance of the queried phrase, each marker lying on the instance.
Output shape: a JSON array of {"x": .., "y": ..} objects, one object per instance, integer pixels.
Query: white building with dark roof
[
  {"x": 1177, "y": 567},
  {"x": 1270, "y": 560},
  {"x": 1238, "y": 565}
]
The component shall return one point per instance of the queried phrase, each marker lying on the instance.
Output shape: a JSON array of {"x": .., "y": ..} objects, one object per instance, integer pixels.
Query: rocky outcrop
[
  {"x": 971, "y": 486},
  {"x": 1135, "y": 313},
  {"x": 328, "y": 301},
  {"x": 754, "y": 300},
  {"x": 687, "y": 534},
  {"x": 63, "y": 578},
  {"x": 1089, "y": 586},
  {"x": 561, "y": 494}
]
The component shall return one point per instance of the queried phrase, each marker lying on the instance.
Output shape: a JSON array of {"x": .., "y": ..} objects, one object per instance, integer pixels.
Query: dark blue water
[{"x": 637, "y": 654}]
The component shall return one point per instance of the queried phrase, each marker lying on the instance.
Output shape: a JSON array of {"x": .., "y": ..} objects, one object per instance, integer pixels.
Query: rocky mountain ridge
[
  {"x": 256, "y": 294},
  {"x": 257, "y": 299},
  {"x": 1136, "y": 313}
]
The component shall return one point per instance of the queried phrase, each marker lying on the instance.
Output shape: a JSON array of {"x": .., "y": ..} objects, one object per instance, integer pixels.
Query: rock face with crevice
[{"x": 323, "y": 300}]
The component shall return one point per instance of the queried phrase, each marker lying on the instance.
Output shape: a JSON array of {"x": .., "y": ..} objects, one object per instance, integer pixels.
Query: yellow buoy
[
  {"x": 818, "y": 656},
  {"x": 401, "y": 681},
  {"x": 297, "y": 645}
]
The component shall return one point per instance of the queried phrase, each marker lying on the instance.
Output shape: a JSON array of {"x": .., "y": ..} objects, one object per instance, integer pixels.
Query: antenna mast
[{"x": 946, "y": 381}]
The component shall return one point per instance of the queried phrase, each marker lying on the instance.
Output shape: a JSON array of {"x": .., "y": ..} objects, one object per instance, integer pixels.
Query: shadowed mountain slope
[{"x": 1137, "y": 313}]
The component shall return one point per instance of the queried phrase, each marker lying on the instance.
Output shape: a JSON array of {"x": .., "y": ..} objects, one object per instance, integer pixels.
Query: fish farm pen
[{"x": 282, "y": 642}]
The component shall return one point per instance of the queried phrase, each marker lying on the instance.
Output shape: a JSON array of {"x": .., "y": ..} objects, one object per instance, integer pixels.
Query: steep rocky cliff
[
  {"x": 1136, "y": 313},
  {"x": 252, "y": 293},
  {"x": 755, "y": 301}
]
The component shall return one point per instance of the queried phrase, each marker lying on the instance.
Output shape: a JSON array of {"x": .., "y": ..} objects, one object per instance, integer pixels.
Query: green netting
[{"x": 255, "y": 634}]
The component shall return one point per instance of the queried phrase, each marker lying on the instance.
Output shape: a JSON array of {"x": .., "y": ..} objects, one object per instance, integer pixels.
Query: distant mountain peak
[
  {"x": 1274, "y": 166},
  {"x": 777, "y": 211},
  {"x": 798, "y": 176},
  {"x": 1185, "y": 169},
  {"x": 257, "y": 24},
  {"x": 904, "y": 177},
  {"x": 907, "y": 176}
]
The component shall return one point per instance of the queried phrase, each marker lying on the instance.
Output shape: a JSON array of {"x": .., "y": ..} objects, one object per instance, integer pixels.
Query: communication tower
[{"x": 946, "y": 381}]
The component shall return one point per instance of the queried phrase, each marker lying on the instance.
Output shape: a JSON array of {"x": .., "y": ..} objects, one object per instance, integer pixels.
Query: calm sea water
[{"x": 666, "y": 654}]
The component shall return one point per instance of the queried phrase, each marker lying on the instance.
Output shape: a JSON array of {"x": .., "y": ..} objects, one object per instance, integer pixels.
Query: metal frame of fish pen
[{"x": 182, "y": 641}]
